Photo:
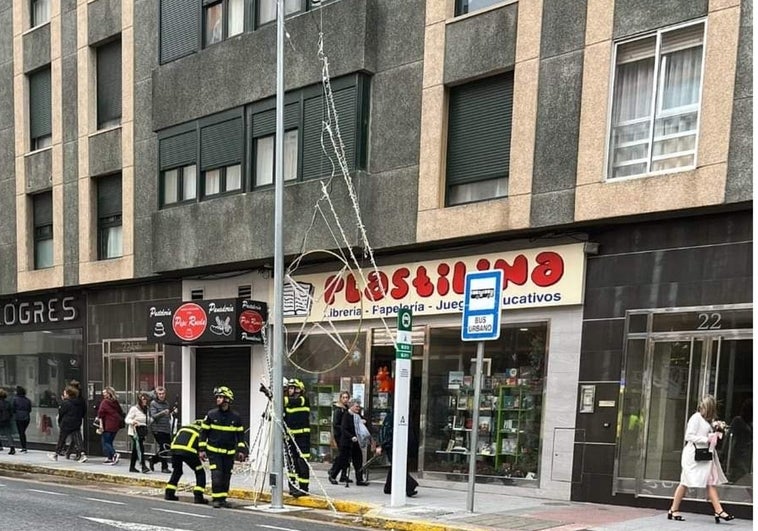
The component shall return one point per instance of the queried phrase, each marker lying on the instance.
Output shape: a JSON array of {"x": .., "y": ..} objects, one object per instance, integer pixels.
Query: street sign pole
[
  {"x": 482, "y": 300},
  {"x": 403, "y": 353}
]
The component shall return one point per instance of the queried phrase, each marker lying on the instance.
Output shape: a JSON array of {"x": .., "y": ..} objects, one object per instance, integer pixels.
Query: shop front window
[
  {"x": 510, "y": 405},
  {"x": 42, "y": 363},
  {"x": 327, "y": 364}
]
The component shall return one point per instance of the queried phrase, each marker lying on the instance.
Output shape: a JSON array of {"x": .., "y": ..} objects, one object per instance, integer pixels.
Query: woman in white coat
[
  {"x": 136, "y": 421},
  {"x": 701, "y": 474}
]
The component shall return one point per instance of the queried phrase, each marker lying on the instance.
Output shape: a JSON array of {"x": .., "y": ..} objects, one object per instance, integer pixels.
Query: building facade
[{"x": 599, "y": 153}]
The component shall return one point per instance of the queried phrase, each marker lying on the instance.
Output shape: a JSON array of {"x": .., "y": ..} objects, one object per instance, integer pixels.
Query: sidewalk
[{"x": 439, "y": 505}]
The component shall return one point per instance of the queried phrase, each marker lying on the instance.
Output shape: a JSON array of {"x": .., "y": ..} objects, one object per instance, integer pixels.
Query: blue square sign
[{"x": 482, "y": 299}]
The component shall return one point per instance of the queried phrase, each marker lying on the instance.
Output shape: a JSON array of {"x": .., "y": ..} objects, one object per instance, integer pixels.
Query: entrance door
[{"x": 678, "y": 372}]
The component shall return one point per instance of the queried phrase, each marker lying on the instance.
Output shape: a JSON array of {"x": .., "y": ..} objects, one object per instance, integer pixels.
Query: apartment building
[{"x": 599, "y": 153}]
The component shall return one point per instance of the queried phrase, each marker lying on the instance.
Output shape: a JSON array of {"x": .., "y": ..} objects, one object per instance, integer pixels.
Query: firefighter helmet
[
  {"x": 225, "y": 392},
  {"x": 298, "y": 384}
]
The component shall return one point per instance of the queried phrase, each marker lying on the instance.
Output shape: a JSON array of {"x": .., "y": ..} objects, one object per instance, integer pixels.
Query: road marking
[
  {"x": 132, "y": 526},
  {"x": 275, "y": 527},
  {"x": 47, "y": 492},
  {"x": 105, "y": 501},
  {"x": 180, "y": 512}
]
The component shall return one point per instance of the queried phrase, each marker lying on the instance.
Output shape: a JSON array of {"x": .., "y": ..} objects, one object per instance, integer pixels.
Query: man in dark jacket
[
  {"x": 386, "y": 433},
  {"x": 339, "y": 409},
  {"x": 160, "y": 413},
  {"x": 69, "y": 420},
  {"x": 184, "y": 449},
  {"x": 6, "y": 421},
  {"x": 22, "y": 408},
  {"x": 221, "y": 437}
]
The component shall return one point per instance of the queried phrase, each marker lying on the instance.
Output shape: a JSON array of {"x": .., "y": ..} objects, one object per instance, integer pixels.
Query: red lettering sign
[
  {"x": 189, "y": 321},
  {"x": 251, "y": 321},
  {"x": 546, "y": 269}
]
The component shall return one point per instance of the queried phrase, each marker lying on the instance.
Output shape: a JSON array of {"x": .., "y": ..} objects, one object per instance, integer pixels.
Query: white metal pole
[
  {"x": 475, "y": 426},
  {"x": 277, "y": 478}
]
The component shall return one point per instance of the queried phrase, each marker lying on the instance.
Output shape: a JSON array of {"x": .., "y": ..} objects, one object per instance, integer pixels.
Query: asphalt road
[{"x": 41, "y": 506}]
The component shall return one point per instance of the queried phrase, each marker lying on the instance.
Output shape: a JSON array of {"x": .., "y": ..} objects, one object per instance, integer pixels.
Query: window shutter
[
  {"x": 180, "y": 29},
  {"x": 178, "y": 150},
  {"x": 479, "y": 130},
  {"x": 315, "y": 163},
  {"x": 40, "y": 121},
  {"x": 43, "y": 209},
  {"x": 109, "y": 196},
  {"x": 221, "y": 144},
  {"x": 108, "y": 82},
  {"x": 681, "y": 39},
  {"x": 264, "y": 123}
]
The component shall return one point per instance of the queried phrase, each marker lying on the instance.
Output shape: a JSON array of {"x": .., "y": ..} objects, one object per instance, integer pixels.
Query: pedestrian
[
  {"x": 184, "y": 449},
  {"x": 77, "y": 441},
  {"x": 353, "y": 440},
  {"x": 69, "y": 421},
  {"x": 136, "y": 422},
  {"x": 111, "y": 420},
  {"x": 297, "y": 419},
  {"x": 700, "y": 461},
  {"x": 221, "y": 437},
  {"x": 160, "y": 414},
  {"x": 386, "y": 436},
  {"x": 338, "y": 410},
  {"x": 22, "y": 408},
  {"x": 6, "y": 421}
]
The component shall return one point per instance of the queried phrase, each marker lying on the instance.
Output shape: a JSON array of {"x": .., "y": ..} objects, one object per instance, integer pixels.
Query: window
[
  {"x": 40, "y": 119},
  {"x": 178, "y": 159},
  {"x": 656, "y": 102},
  {"x": 109, "y": 84},
  {"x": 40, "y": 12},
  {"x": 469, "y": 6},
  {"x": 222, "y": 19},
  {"x": 179, "y": 184},
  {"x": 220, "y": 180},
  {"x": 179, "y": 28},
  {"x": 221, "y": 148},
  {"x": 42, "y": 205},
  {"x": 479, "y": 140},
  {"x": 267, "y": 9},
  {"x": 264, "y": 158},
  {"x": 109, "y": 221},
  {"x": 213, "y": 15}
]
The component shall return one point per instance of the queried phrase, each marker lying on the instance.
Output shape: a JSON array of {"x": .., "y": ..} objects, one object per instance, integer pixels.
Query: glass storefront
[
  {"x": 327, "y": 364},
  {"x": 510, "y": 408},
  {"x": 672, "y": 359},
  {"x": 42, "y": 362}
]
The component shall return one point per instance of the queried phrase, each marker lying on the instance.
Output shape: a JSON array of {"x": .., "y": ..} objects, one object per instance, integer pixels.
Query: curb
[
  {"x": 385, "y": 522},
  {"x": 311, "y": 502}
]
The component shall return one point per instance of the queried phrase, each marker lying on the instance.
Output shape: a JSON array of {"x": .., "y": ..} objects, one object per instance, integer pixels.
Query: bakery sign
[
  {"x": 540, "y": 277},
  {"x": 207, "y": 322}
]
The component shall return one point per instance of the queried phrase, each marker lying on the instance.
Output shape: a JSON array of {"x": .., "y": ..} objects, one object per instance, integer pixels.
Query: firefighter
[
  {"x": 184, "y": 449},
  {"x": 221, "y": 438},
  {"x": 297, "y": 414}
]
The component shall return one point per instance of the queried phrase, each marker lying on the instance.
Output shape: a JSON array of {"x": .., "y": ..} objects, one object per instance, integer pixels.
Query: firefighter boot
[
  {"x": 171, "y": 495},
  {"x": 200, "y": 499}
]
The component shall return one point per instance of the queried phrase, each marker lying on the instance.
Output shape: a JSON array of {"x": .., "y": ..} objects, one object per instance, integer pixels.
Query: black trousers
[
  {"x": 347, "y": 454},
  {"x": 299, "y": 475},
  {"x": 178, "y": 458},
  {"x": 221, "y": 474},
  {"x": 63, "y": 435},
  {"x": 410, "y": 483},
  {"x": 21, "y": 425},
  {"x": 163, "y": 441},
  {"x": 77, "y": 444},
  {"x": 341, "y": 463}
]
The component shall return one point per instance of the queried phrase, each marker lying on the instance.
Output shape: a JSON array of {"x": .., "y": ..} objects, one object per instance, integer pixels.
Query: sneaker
[
  {"x": 110, "y": 462},
  {"x": 23, "y": 450},
  {"x": 82, "y": 459},
  {"x": 52, "y": 457},
  {"x": 107, "y": 461},
  {"x": 116, "y": 457},
  {"x": 12, "y": 451}
]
